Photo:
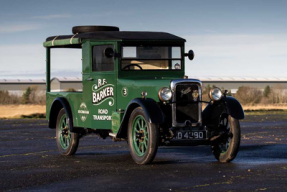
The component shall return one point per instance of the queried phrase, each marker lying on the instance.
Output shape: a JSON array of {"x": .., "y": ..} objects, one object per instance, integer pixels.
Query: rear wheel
[
  {"x": 67, "y": 141},
  {"x": 227, "y": 148},
  {"x": 143, "y": 137}
]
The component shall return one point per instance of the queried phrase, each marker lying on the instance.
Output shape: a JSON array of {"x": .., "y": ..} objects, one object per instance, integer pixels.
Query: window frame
[
  {"x": 168, "y": 59},
  {"x": 92, "y": 57}
]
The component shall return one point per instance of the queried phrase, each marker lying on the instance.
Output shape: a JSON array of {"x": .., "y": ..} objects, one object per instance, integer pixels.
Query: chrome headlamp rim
[
  {"x": 211, "y": 93},
  {"x": 160, "y": 94}
]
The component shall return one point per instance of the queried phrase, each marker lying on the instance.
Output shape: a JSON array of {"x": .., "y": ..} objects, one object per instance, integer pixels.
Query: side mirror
[
  {"x": 190, "y": 55},
  {"x": 109, "y": 52}
]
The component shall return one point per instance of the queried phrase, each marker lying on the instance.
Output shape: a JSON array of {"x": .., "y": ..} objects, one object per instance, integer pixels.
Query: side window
[{"x": 100, "y": 61}]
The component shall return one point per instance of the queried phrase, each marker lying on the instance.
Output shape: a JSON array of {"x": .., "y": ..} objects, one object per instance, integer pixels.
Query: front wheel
[
  {"x": 67, "y": 141},
  {"x": 227, "y": 149},
  {"x": 143, "y": 137}
]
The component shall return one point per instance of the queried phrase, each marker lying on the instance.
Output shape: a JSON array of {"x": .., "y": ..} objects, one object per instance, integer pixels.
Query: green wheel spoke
[
  {"x": 139, "y": 135},
  {"x": 65, "y": 135},
  {"x": 146, "y": 139},
  {"x": 67, "y": 141},
  {"x": 138, "y": 125},
  {"x": 145, "y": 144}
]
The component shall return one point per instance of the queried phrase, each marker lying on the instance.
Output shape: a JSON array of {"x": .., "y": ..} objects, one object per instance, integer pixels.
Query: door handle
[{"x": 90, "y": 79}]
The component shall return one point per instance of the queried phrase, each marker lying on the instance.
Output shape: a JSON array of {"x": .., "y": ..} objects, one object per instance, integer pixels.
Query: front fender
[
  {"x": 234, "y": 108},
  {"x": 151, "y": 109},
  {"x": 229, "y": 105}
]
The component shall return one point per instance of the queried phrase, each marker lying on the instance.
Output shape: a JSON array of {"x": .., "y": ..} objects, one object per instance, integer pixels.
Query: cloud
[
  {"x": 19, "y": 28},
  {"x": 55, "y": 16}
]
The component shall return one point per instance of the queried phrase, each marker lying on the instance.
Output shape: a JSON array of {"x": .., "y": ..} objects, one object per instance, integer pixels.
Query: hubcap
[
  {"x": 65, "y": 134},
  {"x": 140, "y": 135}
]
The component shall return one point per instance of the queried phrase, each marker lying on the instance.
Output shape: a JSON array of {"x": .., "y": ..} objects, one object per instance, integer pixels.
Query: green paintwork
[
  {"x": 74, "y": 98},
  {"x": 48, "y": 65},
  {"x": 74, "y": 41},
  {"x": 109, "y": 113},
  {"x": 140, "y": 135},
  {"x": 65, "y": 134},
  {"x": 100, "y": 114},
  {"x": 116, "y": 120}
]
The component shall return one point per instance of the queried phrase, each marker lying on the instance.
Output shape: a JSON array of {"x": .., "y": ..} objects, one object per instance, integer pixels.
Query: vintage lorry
[{"x": 135, "y": 89}]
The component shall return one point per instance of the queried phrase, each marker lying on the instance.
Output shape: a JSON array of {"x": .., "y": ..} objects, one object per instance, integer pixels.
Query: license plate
[{"x": 190, "y": 135}]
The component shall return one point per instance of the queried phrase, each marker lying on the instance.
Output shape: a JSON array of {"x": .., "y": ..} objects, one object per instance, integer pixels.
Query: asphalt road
[{"x": 29, "y": 160}]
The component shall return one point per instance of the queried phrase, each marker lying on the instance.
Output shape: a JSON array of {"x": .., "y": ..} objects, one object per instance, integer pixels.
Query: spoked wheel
[
  {"x": 140, "y": 135},
  {"x": 226, "y": 149},
  {"x": 66, "y": 140},
  {"x": 143, "y": 137}
]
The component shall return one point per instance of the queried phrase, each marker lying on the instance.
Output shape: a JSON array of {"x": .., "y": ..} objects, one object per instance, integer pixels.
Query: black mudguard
[
  {"x": 234, "y": 108},
  {"x": 56, "y": 106},
  {"x": 229, "y": 105},
  {"x": 152, "y": 111}
]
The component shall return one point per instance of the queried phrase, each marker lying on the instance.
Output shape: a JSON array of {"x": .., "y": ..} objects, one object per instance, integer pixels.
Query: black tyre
[
  {"x": 227, "y": 149},
  {"x": 87, "y": 29},
  {"x": 67, "y": 141},
  {"x": 143, "y": 137}
]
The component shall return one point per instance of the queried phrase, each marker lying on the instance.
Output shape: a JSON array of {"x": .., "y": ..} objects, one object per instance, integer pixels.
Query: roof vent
[{"x": 93, "y": 28}]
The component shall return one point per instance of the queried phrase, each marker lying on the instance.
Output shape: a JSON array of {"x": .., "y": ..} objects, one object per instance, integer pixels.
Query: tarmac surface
[{"x": 29, "y": 161}]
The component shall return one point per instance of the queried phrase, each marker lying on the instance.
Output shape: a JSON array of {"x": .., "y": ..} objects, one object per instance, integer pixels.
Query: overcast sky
[{"x": 229, "y": 38}]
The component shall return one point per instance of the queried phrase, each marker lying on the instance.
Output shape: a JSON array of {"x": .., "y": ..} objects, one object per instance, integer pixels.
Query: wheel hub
[
  {"x": 140, "y": 135},
  {"x": 65, "y": 132}
]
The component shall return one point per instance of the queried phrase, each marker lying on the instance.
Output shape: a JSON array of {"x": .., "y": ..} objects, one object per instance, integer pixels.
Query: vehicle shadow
[{"x": 268, "y": 153}]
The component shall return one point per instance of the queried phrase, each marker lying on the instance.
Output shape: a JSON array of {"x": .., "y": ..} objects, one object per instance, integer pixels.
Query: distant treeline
[
  {"x": 246, "y": 95},
  {"x": 30, "y": 96},
  {"x": 251, "y": 96}
]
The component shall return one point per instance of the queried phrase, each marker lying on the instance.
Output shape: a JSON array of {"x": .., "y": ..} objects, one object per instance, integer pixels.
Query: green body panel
[
  {"x": 74, "y": 98},
  {"x": 116, "y": 120},
  {"x": 135, "y": 87},
  {"x": 125, "y": 86},
  {"x": 103, "y": 82}
]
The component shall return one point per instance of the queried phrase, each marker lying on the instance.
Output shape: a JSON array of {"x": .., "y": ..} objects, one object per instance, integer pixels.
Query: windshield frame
[{"x": 153, "y": 44}]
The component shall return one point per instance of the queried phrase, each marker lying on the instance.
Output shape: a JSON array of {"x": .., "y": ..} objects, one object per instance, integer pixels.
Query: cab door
[{"x": 100, "y": 86}]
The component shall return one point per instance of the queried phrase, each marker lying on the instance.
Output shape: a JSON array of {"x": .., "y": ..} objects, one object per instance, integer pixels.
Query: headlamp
[
  {"x": 215, "y": 94},
  {"x": 164, "y": 94}
]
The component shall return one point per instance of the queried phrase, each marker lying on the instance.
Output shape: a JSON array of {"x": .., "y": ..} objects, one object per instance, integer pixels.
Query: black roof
[{"x": 121, "y": 35}]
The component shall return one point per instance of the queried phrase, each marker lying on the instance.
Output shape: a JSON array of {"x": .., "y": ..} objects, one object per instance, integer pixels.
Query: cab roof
[{"x": 76, "y": 39}]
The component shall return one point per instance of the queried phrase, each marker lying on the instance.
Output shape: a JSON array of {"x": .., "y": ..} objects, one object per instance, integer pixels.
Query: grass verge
[{"x": 22, "y": 111}]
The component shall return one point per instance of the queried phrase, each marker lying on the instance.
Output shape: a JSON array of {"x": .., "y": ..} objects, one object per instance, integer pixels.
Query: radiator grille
[{"x": 186, "y": 93}]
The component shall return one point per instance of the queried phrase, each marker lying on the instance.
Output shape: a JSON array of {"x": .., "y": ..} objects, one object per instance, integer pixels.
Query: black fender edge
[
  {"x": 151, "y": 109},
  {"x": 234, "y": 108},
  {"x": 229, "y": 105},
  {"x": 57, "y": 105}
]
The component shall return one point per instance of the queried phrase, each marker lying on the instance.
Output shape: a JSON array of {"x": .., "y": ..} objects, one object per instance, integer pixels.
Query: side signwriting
[
  {"x": 102, "y": 115},
  {"x": 102, "y": 91},
  {"x": 83, "y": 111}
]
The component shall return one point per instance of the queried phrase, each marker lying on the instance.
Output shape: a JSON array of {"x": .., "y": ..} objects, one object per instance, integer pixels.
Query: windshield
[{"x": 151, "y": 58}]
